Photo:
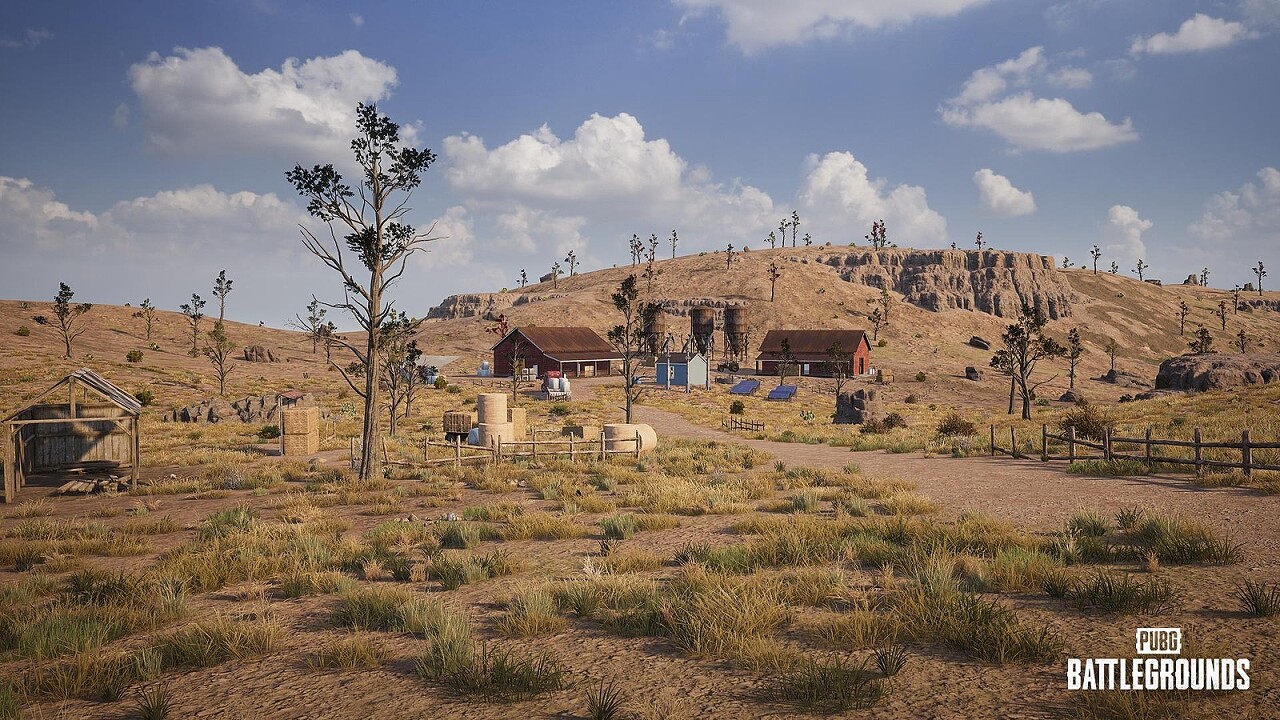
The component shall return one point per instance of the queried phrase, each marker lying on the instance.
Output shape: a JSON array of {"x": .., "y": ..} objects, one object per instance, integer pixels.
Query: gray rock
[
  {"x": 979, "y": 343},
  {"x": 973, "y": 373},
  {"x": 1218, "y": 371},
  {"x": 257, "y": 353},
  {"x": 1071, "y": 396}
]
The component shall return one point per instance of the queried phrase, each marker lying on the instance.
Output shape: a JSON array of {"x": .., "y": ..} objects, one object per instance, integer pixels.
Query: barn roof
[
  {"x": 566, "y": 343},
  {"x": 95, "y": 382},
  {"x": 809, "y": 344}
]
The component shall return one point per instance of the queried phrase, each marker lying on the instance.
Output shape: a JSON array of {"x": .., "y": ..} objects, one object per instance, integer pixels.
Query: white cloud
[
  {"x": 357, "y": 20},
  {"x": 1251, "y": 213},
  {"x": 120, "y": 118},
  {"x": 839, "y": 201},
  {"x": 1261, "y": 12},
  {"x": 456, "y": 243},
  {"x": 754, "y": 25},
  {"x": 31, "y": 38},
  {"x": 988, "y": 100},
  {"x": 533, "y": 230},
  {"x": 200, "y": 101},
  {"x": 1198, "y": 34},
  {"x": 1000, "y": 197},
  {"x": 1122, "y": 235},
  {"x": 171, "y": 222}
]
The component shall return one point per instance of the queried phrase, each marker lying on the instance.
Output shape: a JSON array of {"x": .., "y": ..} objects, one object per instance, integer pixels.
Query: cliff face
[
  {"x": 989, "y": 281},
  {"x": 472, "y": 304}
]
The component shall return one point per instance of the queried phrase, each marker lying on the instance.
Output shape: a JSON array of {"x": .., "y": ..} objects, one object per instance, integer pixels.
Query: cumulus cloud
[
  {"x": 544, "y": 191},
  {"x": 1122, "y": 234},
  {"x": 29, "y": 39},
  {"x": 840, "y": 200},
  {"x": 754, "y": 25},
  {"x": 1198, "y": 34},
  {"x": 1249, "y": 213},
  {"x": 1261, "y": 12},
  {"x": 171, "y": 222},
  {"x": 1000, "y": 197},
  {"x": 200, "y": 101},
  {"x": 998, "y": 99}
]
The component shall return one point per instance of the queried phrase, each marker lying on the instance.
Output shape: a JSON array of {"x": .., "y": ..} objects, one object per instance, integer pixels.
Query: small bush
[
  {"x": 357, "y": 652},
  {"x": 606, "y": 701},
  {"x": 921, "y": 377},
  {"x": 1112, "y": 593},
  {"x": 269, "y": 432},
  {"x": 453, "y": 389},
  {"x": 133, "y": 356},
  {"x": 1088, "y": 522},
  {"x": 1109, "y": 468},
  {"x": 559, "y": 409},
  {"x": 911, "y": 399},
  {"x": 619, "y": 527},
  {"x": 829, "y": 687},
  {"x": 1259, "y": 599},
  {"x": 882, "y": 343},
  {"x": 1042, "y": 402},
  {"x": 531, "y": 612},
  {"x": 1090, "y": 422},
  {"x": 890, "y": 660},
  {"x": 441, "y": 383},
  {"x": 955, "y": 424},
  {"x": 499, "y": 675},
  {"x": 154, "y": 703},
  {"x": 23, "y": 331},
  {"x": 737, "y": 407},
  {"x": 144, "y": 397}
]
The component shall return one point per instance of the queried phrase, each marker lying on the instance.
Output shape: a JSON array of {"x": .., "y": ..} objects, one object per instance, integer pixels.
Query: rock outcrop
[
  {"x": 858, "y": 407},
  {"x": 989, "y": 281},
  {"x": 1218, "y": 372},
  {"x": 257, "y": 353},
  {"x": 474, "y": 304},
  {"x": 251, "y": 409},
  {"x": 1192, "y": 280},
  {"x": 1124, "y": 379}
]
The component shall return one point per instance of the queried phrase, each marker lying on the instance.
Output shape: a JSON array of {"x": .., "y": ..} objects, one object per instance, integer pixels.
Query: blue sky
[{"x": 143, "y": 145}]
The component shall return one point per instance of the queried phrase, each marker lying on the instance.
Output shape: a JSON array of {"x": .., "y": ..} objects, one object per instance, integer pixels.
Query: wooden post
[
  {"x": 1148, "y": 449},
  {"x": 1013, "y": 443},
  {"x": 601, "y": 439},
  {"x": 385, "y": 458},
  {"x": 426, "y": 450},
  {"x": 1246, "y": 454},
  {"x": 535, "y": 447},
  {"x": 570, "y": 448},
  {"x": 1106, "y": 443},
  {"x": 1071, "y": 443},
  {"x": 1199, "y": 454},
  {"x": 457, "y": 451},
  {"x": 497, "y": 449},
  {"x": 639, "y": 442},
  {"x": 1044, "y": 442},
  {"x": 10, "y": 478},
  {"x": 137, "y": 452},
  {"x": 351, "y": 451},
  {"x": 993, "y": 439},
  {"x": 71, "y": 397}
]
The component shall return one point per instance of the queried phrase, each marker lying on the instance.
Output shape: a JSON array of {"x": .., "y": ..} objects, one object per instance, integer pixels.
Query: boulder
[
  {"x": 1248, "y": 287},
  {"x": 1071, "y": 396},
  {"x": 257, "y": 353},
  {"x": 979, "y": 343},
  {"x": 1218, "y": 372},
  {"x": 973, "y": 373},
  {"x": 857, "y": 407},
  {"x": 1192, "y": 279},
  {"x": 1124, "y": 379}
]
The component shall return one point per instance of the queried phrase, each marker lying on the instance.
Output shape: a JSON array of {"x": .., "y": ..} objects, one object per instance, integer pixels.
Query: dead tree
[
  {"x": 147, "y": 312},
  {"x": 775, "y": 272},
  {"x": 66, "y": 316},
  {"x": 218, "y": 349},
  {"x": 630, "y": 338},
  {"x": 194, "y": 311}
]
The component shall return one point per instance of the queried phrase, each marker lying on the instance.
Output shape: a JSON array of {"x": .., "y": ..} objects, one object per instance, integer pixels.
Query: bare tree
[
  {"x": 221, "y": 289},
  {"x": 630, "y": 338},
  {"x": 839, "y": 365},
  {"x": 637, "y": 247},
  {"x": 1095, "y": 252},
  {"x": 147, "y": 312},
  {"x": 1183, "y": 312},
  {"x": 572, "y": 259},
  {"x": 312, "y": 325},
  {"x": 1261, "y": 272},
  {"x": 1074, "y": 349},
  {"x": 675, "y": 240},
  {"x": 1140, "y": 268},
  {"x": 66, "y": 316},
  {"x": 1242, "y": 341},
  {"x": 370, "y": 220},
  {"x": 400, "y": 355},
  {"x": 1025, "y": 345},
  {"x": 514, "y": 355},
  {"x": 877, "y": 320},
  {"x": 218, "y": 349},
  {"x": 1204, "y": 277},
  {"x": 555, "y": 276},
  {"x": 886, "y": 302},
  {"x": 524, "y": 278},
  {"x": 1201, "y": 342},
  {"x": 773, "y": 239},
  {"x": 879, "y": 235},
  {"x": 1222, "y": 314},
  {"x": 1112, "y": 348},
  {"x": 328, "y": 336},
  {"x": 795, "y": 226},
  {"x": 1235, "y": 299},
  {"x": 979, "y": 241},
  {"x": 194, "y": 311},
  {"x": 786, "y": 362},
  {"x": 775, "y": 272}
]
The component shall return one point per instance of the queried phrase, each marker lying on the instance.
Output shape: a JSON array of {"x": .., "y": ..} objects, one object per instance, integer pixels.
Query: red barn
[
  {"x": 810, "y": 350},
  {"x": 574, "y": 351}
]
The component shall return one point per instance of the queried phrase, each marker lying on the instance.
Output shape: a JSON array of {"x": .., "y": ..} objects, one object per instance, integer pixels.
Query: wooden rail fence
[
  {"x": 461, "y": 453},
  {"x": 737, "y": 423},
  {"x": 1147, "y": 452}
]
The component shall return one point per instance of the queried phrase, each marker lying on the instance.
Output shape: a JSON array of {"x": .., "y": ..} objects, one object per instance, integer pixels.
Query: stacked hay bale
[
  {"x": 491, "y": 410},
  {"x": 300, "y": 431},
  {"x": 622, "y": 437},
  {"x": 858, "y": 407},
  {"x": 581, "y": 432},
  {"x": 519, "y": 419}
]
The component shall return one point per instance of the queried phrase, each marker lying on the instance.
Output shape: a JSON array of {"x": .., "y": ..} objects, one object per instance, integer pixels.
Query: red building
[
  {"x": 574, "y": 351},
  {"x": 811, "y": 351}
]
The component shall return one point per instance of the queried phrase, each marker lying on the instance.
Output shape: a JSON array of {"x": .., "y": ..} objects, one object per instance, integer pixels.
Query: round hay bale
[
  {"x": 490, "y": 433},
  {"x": 491, "y": 407},
  {"x": 622, "y": 437}
]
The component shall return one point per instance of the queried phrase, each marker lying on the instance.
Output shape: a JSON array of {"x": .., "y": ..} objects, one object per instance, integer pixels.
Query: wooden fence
[
  {"x": 1147, "y": 451},
  {"x": 737, "y": 423}
]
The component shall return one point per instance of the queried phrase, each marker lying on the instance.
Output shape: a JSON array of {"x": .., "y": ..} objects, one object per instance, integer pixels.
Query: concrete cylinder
[
  {"x": 702, "y": 323},
  {"x": 492, "y": 407}
]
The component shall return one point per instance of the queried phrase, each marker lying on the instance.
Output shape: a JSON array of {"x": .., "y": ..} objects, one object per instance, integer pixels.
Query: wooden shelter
[
  {"x": 571, "y": 351},
  {"x": 84, "y": 432},
  {"x": 810, "y": 351}
]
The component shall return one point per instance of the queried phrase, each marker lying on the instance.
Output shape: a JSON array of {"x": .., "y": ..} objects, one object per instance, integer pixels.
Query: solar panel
[
  {"x": 745, "y": 387},
  {"x": 782, "y": 392}
]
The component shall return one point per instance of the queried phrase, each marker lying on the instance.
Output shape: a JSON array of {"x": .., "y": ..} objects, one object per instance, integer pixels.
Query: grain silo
[
  {"x": 655, "y": 333},
  {"x": 702, "y": 323},
  {"x": 735, "y": 331}
]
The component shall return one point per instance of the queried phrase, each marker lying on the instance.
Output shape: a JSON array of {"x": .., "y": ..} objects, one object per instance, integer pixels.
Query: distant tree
[
  {"x": 1261, "y": 272},
  {"x": 1183, "y": 312},
  {"x": 728, "y": 256},
  {"x": 1201, "y": 342},
  {"x": 651, "y": 270},
  {"x": 147, "y": 312},
  {"x": 637, "y": 247},
  {"x": 1235, "y": 299},
  {"x": 1242, "y": 341},
  {"x": 218, "y": 349},
  {"x": 1222, "y": 313},
  {"x": 782, "y": 231},
  {"x": 66, "y": 316},
  {"x": 221, "y": 289},
  {"x": 877, "y": 320},
  {"x": 774, "y": 273},
  {"x": 1140, "y": 268},
  {"x": 1025, "y": 345},
  {"x": 839, "y": 365},
  {"x": 524, "y": 278},
  {"x": 773, "y": 239},
  {"x": 1112, "y": 348},
  {"x": 368, "y": 221},
  {"x": 886, "y": 302},
  {"x": 979, "y": 241},
  {"x": 1074, "y": 349},
  {"x": 807, "y": 240},
  {"x": 328, "y": 336},
  {"x": 651, "y": 253},
  {"x": 795, "y": 226},
  {"x": 555, "y": 275},
  {"x": 1066, "y": 262},
  {"x": 675, "y": 240},
  {"x": 1095, "y": 253},
  {"x": 1204, "y": 277},
  {"x": 515, "y": 355},
  {"x": 1115, "y": 267},
  {"x": 313, "y": 324},
  {"x": 194, "y": 311},
  {"x": 786, "y": 362},
  {"x": 953, "y": 244},
  {"x": 572, "y": 259},
  {"x": 630, "y": 338},
  {"x": 879, "y": 235},
  {"x": 400, "y": 353}
]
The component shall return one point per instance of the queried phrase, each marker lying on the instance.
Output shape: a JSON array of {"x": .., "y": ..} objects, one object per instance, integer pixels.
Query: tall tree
[
  {"x": 67, "y": 316},
  {"x": 194, "y": 311},
  {"x": 313, "y": 324},
  {"x": 1222, "y": 314},
  {"x": 218, "y": 348},
  {"x": 555, "y": 275},
  {"x": 879, "y": 235},
  {"x": 1183, "y": 312},
  {"x": 369, "y": 221},
  {"x": 773, "y": 239},
  {"x": 1261, "y": 271},
  {"x": 1235, "y": 299},
  {"x": 1140, "y": 268},
  {"x": 1112, "y": 348},
  {"x": 147, "y": 312},
  {"x": 221, "y": 289},
  {"x": 328, "y": 336},
  {"x": 728, "y": 256},
  {"x": 572, "y": 259},
  {"x": 1204, "y": 277},
  {"x": 524, "y": 278},
  {"x": 979, "y": 241},
  {"x": 877, "y": 320},
  {"x": 775, "y": 272},
  {"x": 637, "y": 246},
  {"x": 786, "y": 362},
  {"x": 675, "y": 240},
  {"x": 1201, "y": 342},
  {"x": 782, "y": 231},
  {"x": 1115, "y": 267},
  {"x": 630, "y": 338},
  {"x": 1095, "y": 252},
  {"x": 1242, "y": 341},
  {"x": 839, "y": 365},
  {"x": 886, "y": 303},
  {"x": 1074, "y": 349},
  {"x": 400, "y": 353},
  {"x": 515, "y": 354},
  {"x": 1025, "y": 345},
  {"x": 795, "y": 226}
]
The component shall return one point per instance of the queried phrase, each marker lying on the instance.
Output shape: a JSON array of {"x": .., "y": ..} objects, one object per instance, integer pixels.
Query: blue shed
[{"x": 681, "y": 370}]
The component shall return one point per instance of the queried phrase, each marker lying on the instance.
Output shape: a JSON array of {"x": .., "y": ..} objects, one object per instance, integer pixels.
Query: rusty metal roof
[
  {"x": 566, "y": 343},
  {"x": 95, "y": 382},
  {"x": 810, "y": 344}
]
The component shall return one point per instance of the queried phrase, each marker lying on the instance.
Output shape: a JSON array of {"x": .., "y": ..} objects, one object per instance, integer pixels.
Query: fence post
[
  {"x": 1013, "y": 443},
  {"x": 1148, "y": 449},
  {"x": 1106, "y": 443},
  {"x": 497, "y": 450},
  {"x": 1246, "y": 454},
  {"x": 570, "y": 448},
  {"x": 1199, "y": 455},
  {"x": 426, "y": 450},
  {"x": 601, "y": 446},
  {"x": 535, "y": 448},
  {"x": 1071, "y": 443},
  {"x": 1044, "y": 442},
  {"x": 993, "y": 440},
  {"x": 457, "y": 451},
  {"x": 638, "y": 443}
]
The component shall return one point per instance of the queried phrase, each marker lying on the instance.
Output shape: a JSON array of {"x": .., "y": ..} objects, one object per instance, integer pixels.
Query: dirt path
[{"x": 1027, "y": 492}]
